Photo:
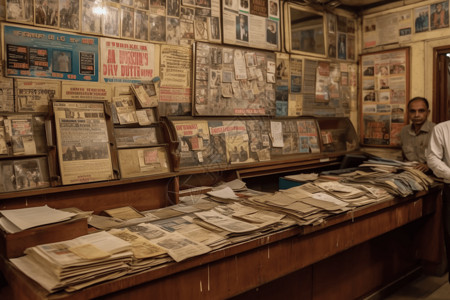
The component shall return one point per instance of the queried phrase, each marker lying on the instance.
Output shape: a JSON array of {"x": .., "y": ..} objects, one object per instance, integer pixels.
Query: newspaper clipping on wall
[
  {"x": 6, "y": 95},
  {"x": 384, "y": 96},
  {"x": 233, "y": 81},
  {"x": 34, "y": 95},
  {"x": 253, "y": 23},
  {"x": 85, "y": 91},
  {"x": 175, "y": 90},
  {"x": 82, "y": 142}
]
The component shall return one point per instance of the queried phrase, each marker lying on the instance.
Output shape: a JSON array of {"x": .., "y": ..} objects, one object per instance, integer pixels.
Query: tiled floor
[{"x": 424, "y": 287}]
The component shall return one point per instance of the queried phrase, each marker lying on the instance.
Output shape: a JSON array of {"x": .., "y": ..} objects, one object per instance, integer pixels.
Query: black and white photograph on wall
[
  {"x": 439, "y": 15},
  {"x": 31, "y": 173},
  {"x": 126, "y": 2},
  {"x": 69, "y": 14},
  {"x": 351, "y": 26},
  {"x": 173, "y": 8},
  {"x": 421, "y": 19},
  {"x": 214, "y": 29},
  {"x": 341, "y": 24},
  {"x": 127, "y": 22},
  {"x": 331, "y": 20},
  {"x": 242, "y": 27},
  {"x": 141, "y": 25},
  {"x": 203, "y": 3},
  {"x": 157, "y": 28},
  {"x": 46, "y": 12},
  {"x": 19, "y": 10},
  {"x": 186, "y": 31},
  {"x": 273, "y": 9},
  {"x": 351, "y": 47},
  {"x": 91, "y": 19},
  {"x": 158, "y": 7},
  {"x": 173, "y": 33},
  {"x": 187, "y": 13},
  {"x": 332, "y": 46},
  {"x": 244, "y": 5},
  {"x": 201, "y": 28},
  {"x": 62, "y": 61},
  {"x": 141, "y": 4},
  {"x": 231, "y": 4},
  {"x": 272, "y": 32},
  {"x": 202, "y": 12},
  {"x": 342, "y": 46},
  {"x": 111, "y": 21}
]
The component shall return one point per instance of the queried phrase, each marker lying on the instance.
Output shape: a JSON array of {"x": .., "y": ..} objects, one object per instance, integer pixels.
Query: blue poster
[{"x": 49, "y": 54}]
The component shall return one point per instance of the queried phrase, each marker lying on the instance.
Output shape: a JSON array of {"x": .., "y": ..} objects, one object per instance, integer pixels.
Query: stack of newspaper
[
  {"x": 145, "y": 254},
  {"x": 176, "y": 245},
  {"x": 404, "y": 182},
  {"x": 354, "y": 194},
  {"x": 76, "y": 263},
  {"x": 16, "y": 220}
]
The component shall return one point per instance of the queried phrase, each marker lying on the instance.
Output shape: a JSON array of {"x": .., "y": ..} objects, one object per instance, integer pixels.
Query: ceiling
[{"x": 351, "y": 5}]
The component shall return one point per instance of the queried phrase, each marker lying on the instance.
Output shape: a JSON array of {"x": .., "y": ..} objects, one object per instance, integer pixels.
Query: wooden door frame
[{"x": 440, "y": 106}]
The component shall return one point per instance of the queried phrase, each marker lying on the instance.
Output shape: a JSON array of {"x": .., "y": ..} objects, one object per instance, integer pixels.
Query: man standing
[
  {"x": 438, "y": 159},
  {"x": 414, "y": 137}
]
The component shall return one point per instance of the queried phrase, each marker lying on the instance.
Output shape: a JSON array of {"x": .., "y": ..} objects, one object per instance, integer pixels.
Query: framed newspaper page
[
  {"x": 83, "y": 142},
  {"x": 250, "y": 23},
  {"x": 384, "y": 96}
]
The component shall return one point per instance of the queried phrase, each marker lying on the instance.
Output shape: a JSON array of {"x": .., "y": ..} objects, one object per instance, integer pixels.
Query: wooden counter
[{"x": 345, "y": 258}]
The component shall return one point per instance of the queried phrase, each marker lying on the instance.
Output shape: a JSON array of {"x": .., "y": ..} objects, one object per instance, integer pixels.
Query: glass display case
[{"x": 251, "y": 141}]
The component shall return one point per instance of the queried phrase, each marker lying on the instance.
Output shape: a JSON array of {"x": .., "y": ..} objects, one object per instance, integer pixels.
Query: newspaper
[
  {"x": 82, "y": 141},
  {"x": 15, "y": 220},
  {"x": 34, "y": 95},
  {"x": 126, "y": 109},
  {"x": 143, "y": 161},
  {"x": 6, "y": 95},
  {"x": 177, "y": 245},
  {"x": 85, "y": 91},
  {"x": 226, "y": 223}
]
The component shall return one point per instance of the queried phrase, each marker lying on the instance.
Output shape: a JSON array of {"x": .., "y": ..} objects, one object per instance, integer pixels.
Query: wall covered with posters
[
  {"x": 150, "y": 58},
  {"x": 118, "y": 42}
]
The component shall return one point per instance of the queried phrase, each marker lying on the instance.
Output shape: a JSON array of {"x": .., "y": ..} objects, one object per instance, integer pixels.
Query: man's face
[{"x": 418, "y": 112}]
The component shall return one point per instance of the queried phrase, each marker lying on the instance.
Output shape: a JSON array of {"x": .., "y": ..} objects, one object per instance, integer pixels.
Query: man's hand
[{"x": 421, "y": 167}]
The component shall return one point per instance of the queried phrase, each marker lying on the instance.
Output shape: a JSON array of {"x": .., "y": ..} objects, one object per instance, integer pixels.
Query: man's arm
[{"x": 435, "y": 153}]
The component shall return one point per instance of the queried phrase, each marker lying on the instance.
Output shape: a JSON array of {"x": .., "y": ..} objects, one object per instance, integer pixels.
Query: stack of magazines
[{"x": 76, "y": 263}]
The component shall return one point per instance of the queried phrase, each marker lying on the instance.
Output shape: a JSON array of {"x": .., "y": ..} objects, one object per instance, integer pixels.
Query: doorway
[{"x": 441, "y": 94}]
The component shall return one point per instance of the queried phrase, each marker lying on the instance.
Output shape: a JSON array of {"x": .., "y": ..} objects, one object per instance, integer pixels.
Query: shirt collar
[{"x": 426, "y": 127}]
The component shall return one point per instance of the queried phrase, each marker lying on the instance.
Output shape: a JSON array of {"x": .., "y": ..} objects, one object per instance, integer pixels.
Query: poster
[
  {"x": 128, "y": 61},
  {"x": 40, "y": 53},
  {"x": 384, "y": 97}
]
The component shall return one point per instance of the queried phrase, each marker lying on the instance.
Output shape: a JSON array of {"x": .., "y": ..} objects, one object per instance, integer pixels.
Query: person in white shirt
[{"x": 438, "y": 160}]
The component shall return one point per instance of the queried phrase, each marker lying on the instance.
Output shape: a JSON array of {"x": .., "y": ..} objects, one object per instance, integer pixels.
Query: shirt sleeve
[{"x": 435, "y": 154}]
